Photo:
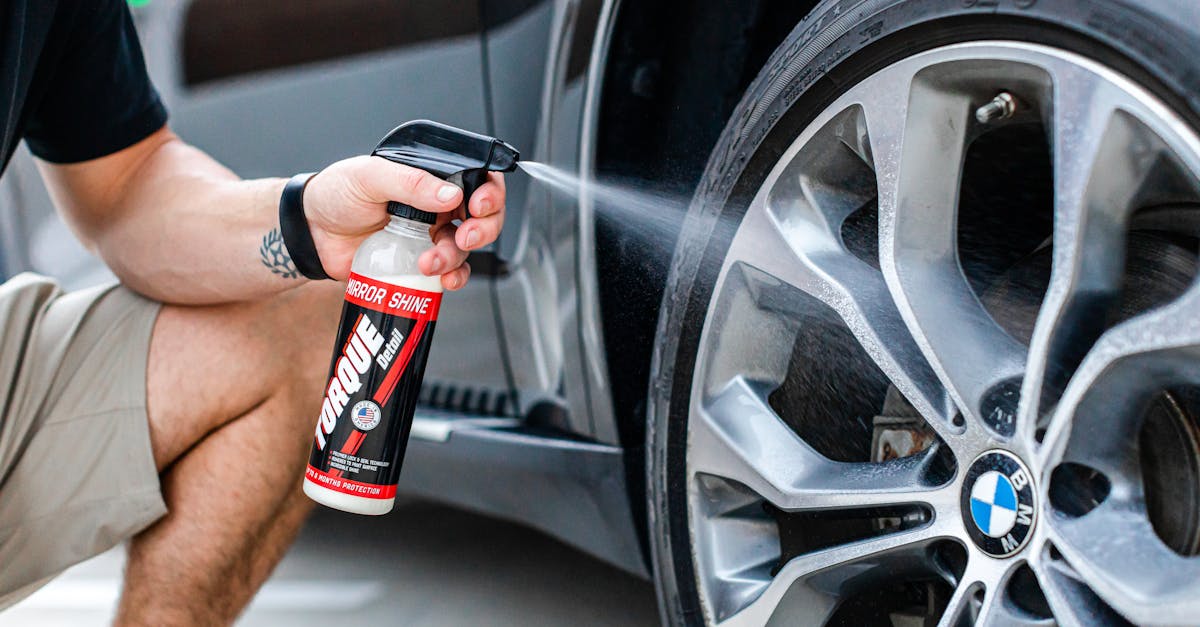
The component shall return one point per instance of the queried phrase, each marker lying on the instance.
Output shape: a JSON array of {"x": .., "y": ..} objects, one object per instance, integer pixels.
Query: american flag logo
[{"x": 365, "y": 415}]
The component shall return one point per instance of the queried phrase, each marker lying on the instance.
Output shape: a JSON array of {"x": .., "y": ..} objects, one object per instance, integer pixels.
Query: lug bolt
[{"x": 1001, "y": 107}]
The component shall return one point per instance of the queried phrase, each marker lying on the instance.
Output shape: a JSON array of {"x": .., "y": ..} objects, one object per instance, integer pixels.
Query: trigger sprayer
[{"x": 387, "y": 327}]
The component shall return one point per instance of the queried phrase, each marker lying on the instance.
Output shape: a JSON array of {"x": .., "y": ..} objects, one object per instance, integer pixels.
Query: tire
[{"x": 1155, "y": 44}]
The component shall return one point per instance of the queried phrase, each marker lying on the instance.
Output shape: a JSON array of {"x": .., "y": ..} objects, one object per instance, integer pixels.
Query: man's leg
[{"x": 233, "y": 393}]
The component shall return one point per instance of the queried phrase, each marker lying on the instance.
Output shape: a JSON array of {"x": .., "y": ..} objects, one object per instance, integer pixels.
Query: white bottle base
[{"x": 347, "y": 502}]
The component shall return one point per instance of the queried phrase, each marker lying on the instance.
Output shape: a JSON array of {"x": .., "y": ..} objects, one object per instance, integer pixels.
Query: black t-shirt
[{"x": 73, "y": 83}]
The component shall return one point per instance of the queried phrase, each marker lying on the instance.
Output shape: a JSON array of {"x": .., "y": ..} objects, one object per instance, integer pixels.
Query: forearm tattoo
[{"x": 275, "y": 256}]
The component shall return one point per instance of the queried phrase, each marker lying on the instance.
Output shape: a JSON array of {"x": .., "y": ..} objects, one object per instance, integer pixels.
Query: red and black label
[{"x": 374, "y": 378}]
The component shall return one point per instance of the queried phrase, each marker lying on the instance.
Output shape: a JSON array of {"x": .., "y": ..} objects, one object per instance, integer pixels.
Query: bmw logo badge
[{"x": 998, "y": 503}]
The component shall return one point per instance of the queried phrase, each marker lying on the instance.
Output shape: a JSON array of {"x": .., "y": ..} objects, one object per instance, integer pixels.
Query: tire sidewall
[{"x": 1156, "y": 43}]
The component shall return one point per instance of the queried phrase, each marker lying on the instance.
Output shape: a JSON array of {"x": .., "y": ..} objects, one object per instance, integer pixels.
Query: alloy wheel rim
[{"x": 898, "y": 137}]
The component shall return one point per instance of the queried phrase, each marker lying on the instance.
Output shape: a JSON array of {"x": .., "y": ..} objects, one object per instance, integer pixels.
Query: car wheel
[{"x": 929, "y": 351}]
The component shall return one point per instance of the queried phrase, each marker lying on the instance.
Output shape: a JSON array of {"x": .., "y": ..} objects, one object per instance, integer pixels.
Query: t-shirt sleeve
[{"x": 99, "y": 99}]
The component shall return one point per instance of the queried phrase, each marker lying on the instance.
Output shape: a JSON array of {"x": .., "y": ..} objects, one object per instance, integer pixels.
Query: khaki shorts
[{"x": 77, "y": 473}]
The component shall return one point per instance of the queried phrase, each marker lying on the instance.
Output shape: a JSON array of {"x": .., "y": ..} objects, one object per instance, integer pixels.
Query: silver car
[{"x": 894, "y": 321}]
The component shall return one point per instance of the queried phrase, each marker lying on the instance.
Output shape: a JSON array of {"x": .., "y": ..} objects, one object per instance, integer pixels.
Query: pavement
[{"x": 422, "y": 565}]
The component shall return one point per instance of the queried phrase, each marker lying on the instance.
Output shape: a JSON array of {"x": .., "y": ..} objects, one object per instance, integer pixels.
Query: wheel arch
[{"x": 657, "y": 121}]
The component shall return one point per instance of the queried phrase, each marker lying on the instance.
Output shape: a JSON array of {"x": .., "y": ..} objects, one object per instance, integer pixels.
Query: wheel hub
[{"x": 999, "y": 504}]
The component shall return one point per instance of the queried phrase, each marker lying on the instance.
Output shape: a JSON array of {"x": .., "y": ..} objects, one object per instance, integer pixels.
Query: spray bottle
[{"x": 387, "y": 327}]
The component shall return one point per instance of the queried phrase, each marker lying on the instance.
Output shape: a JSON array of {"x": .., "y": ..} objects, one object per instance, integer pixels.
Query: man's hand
[{"x": 347, "y": 202}]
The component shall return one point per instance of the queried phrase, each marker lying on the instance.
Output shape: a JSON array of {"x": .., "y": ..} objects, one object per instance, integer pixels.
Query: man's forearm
[
  {"x": 181, "y": 228},
  {"x": 199, "y": 241},
  {"x": 177, "y": 226}
]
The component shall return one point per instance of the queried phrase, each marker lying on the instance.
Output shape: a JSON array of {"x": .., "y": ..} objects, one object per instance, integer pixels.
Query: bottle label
[{"x": 374, "y": 378}]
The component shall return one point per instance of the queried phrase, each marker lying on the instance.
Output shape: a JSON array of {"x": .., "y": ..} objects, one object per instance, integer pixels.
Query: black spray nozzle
[{"x": 461, "y": 157}]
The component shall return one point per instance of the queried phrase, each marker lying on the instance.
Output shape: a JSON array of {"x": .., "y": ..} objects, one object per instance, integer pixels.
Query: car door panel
[{"x": 548, "y": 319}]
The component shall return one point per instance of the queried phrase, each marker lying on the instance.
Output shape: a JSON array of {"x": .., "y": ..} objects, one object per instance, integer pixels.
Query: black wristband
[{"x": 297, "y": 236}]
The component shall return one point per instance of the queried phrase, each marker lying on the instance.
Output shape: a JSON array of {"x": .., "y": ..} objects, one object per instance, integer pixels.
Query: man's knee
[
  {"x": 305, "y": 326},
  {"x": 211, "y": 365},
  {"x": 308, "y": 316}
]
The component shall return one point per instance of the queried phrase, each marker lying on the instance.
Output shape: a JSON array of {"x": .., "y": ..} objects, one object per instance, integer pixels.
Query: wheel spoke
[
  {"x": 1113, "y": 547},
  {"x": 748, "y": 551},
  {"x": 996, "y": 612},
  {"x": 807, "y": 587},
  {"x": 980, "y": 598},
  {"x": 1071, "y": 602},
  {"x": 739, "y": 437},
  {"x": 800, "y": 250},
  {"x": 918, "y": 160},
  {"x": 963, "y": 606},
  {"x": 1102, "y": 155},
  {"x": 1117, "y": 555},
  {"x": 1145, "y": 354}
]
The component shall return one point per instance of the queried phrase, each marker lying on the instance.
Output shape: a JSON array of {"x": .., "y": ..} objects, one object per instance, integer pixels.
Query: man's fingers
[
  {"x": 486, "y": 215},
  {"x": 456, "y": 279},
  {"x": 445, "y": 256},
  {"x": 489, "y": 198},
  {"x": 479, "y": 232},
  {"x": 381, "y": 180},
  {"x": 446, "y": 259}
]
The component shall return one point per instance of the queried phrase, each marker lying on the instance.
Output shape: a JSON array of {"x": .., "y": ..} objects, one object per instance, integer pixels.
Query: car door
[{"x": 539, "y": 56}]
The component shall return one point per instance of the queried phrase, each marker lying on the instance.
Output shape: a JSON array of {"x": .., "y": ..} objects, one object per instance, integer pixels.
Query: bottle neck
[{"x": 407, "y": 228}]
